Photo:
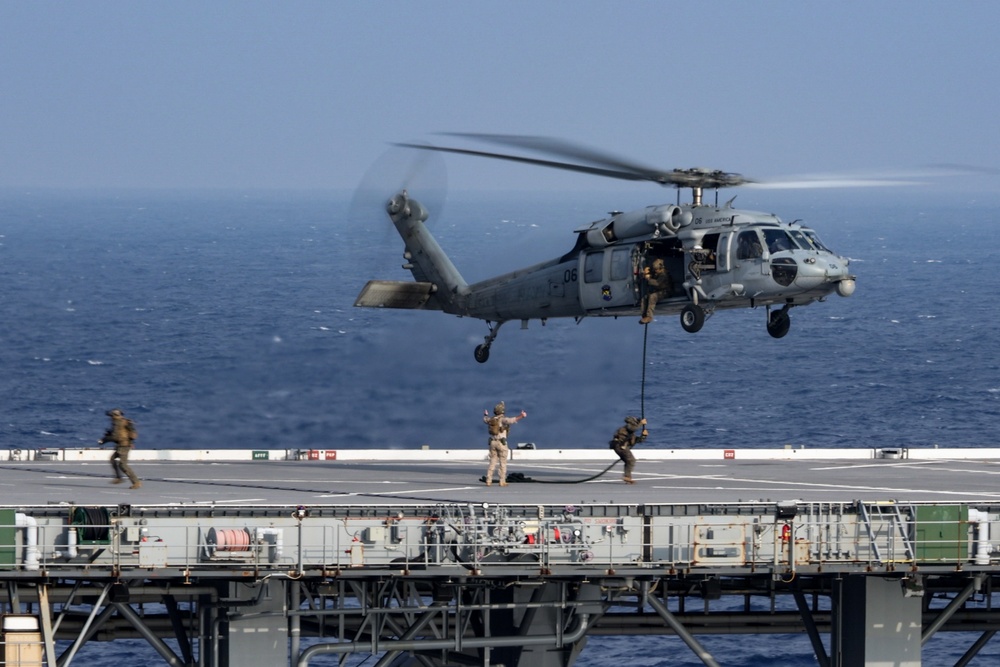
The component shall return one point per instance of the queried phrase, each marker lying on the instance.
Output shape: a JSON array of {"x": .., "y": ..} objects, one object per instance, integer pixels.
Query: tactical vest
[
  {"x": 495, "y": 425},
  {"x": 619, "y": 439}
]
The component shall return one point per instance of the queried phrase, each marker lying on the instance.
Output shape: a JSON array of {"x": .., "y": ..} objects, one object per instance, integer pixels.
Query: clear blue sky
[{"x": 308, "y": 94}]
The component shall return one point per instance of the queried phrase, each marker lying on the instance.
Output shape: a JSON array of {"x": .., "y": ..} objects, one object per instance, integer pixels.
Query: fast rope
[
  {"x": 520, "y": 477},
  {"x": 515, "y": 477},
  {"x": 642, "y": 389}
]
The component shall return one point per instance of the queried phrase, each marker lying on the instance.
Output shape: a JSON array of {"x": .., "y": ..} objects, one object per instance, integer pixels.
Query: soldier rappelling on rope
[{"x": 624, "y": 439}]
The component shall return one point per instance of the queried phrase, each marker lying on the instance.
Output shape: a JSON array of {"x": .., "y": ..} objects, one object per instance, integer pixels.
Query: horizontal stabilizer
[{"x": 395, "y": 294}]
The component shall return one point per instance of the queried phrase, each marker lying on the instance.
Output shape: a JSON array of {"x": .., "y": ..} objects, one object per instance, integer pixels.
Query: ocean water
[{"x": 225, "y": 320}]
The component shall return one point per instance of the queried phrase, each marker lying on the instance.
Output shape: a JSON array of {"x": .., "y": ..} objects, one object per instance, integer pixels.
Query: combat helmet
[
  {"x": 115, "y": 412},
  {"x": 632, "y": 423},
  {"x": 499, "y": 408}
]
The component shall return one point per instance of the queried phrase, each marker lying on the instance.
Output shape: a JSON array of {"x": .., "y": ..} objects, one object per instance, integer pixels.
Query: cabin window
[
  {"x": 621, "y": 263},
  {"x": 593, "y": 267},
  {"x": 748, "y": 246}
]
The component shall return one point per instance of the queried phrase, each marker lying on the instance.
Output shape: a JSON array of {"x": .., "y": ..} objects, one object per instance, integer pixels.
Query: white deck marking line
[
  {"x": 235, "y": 500},
  {"x": 914, "y": 465},
  {"x": 901, "y": 464},
  {"x": 749, "y": 489},
  {"x": 414, "y": 491},
  {"x": 269, "y": 482},
  {"x": 815, "y": 485},
  {"x": 971, "y": 471}
]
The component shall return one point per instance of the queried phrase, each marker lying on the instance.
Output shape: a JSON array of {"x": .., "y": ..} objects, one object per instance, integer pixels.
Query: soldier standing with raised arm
[{"x": 498, "y": 425}]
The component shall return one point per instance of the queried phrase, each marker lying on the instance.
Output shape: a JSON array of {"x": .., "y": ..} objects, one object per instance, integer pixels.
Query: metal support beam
[
  {"x": 414, "y": 630},
  {"x": 574, "y": 634},
  {"x": 682, "y": 632},
  {"x": 975, "y": 648},
  {"x": 807, "y": 618},
  {"x": 295, "y": 620},
  {"x": 165, "y": 652},
  {"x": 953, "y": 606},
  {"x": 13, "y": 598},
  {"x": 45, "y": 613},
  {"x": 68, "y": 656},
  {"x": 180, "y": 631}
]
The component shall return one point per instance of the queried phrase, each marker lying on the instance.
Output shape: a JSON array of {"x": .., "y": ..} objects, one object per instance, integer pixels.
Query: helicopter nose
[{"x": 846, "y": 287}]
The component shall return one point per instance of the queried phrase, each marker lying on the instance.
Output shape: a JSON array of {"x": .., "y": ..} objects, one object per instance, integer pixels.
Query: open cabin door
[{"x": 608, "y": 278}]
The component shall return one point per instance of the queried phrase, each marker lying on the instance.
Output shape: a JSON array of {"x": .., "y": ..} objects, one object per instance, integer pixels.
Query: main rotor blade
[
  {"x": 567, "y": 149},
  {"x": 599, "y": 171},
  {"x": 606, "y": 165},
  {"x": 831, "y": 182}
]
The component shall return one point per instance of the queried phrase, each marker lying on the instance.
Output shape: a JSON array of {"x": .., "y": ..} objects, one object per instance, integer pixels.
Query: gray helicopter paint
[
  {"x": 693, "y": 240},
  {"x": 601, "y": 277}
]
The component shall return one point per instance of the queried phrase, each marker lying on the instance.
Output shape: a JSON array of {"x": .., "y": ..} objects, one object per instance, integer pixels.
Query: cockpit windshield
[
  {"x": 778, "y": 240},
  {"x": 801, "y": 239}
]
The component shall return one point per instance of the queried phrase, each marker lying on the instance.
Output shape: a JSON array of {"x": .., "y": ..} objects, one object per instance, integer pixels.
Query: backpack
[{"x": 495, "y": 425}]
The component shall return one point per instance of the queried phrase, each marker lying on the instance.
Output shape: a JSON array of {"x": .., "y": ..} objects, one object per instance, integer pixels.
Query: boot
[{"x": 136, "y": 485}]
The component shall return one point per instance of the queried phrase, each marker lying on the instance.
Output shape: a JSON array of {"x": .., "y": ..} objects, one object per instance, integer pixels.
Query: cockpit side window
[
  {"x": 815, "y": 240},
  {"x": 748, "y": 245}
]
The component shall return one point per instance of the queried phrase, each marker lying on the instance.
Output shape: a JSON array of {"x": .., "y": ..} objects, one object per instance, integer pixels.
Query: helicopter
[{"x": 717, "y": 257}]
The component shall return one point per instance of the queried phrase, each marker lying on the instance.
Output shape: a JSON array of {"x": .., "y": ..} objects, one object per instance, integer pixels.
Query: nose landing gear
[
  {"x": 482, "y": 352},
  {"x": 778, "y": 322}
]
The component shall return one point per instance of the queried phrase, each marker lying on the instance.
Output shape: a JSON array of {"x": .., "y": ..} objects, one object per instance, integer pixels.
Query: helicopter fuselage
[{"x": 717, "y": 259}]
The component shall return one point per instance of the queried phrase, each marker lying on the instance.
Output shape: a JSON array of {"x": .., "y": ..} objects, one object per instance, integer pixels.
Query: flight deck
[
  {"x": 264, "y": 557},
  {"x": 537, "y": 476}
]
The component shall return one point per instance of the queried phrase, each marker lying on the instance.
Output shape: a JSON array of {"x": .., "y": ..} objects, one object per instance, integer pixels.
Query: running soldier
[{"x": 123, "y": 434}]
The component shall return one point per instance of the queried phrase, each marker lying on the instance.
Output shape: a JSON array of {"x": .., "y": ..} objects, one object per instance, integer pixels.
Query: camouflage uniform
[
  {"x": 624, "y": 439},
  {"x": 658, "y": 284},
  {"x": 123, "y": 434},
  {"x": 499, "y": 452}
]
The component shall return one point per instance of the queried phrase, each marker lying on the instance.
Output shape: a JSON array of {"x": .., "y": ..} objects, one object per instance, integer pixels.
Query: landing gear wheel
[
  {"x": 482, "y": 353},
  {"x": 778, "y": 323},
  {"x": 692, "y": 318}
]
